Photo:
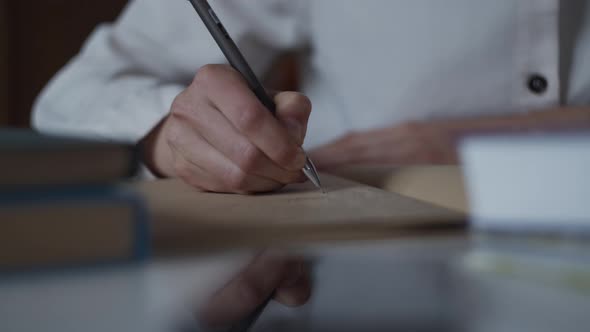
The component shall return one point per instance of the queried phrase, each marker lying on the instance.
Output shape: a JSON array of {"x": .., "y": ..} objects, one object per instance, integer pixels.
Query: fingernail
[{"x": 295, "y": 130}]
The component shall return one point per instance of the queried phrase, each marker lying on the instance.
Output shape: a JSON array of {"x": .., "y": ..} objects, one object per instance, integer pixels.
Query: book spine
[{"x": 141, "y": 241}]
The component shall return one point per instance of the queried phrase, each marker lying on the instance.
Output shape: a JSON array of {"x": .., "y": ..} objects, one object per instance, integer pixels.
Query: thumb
[{"x": 293, "y": 110}]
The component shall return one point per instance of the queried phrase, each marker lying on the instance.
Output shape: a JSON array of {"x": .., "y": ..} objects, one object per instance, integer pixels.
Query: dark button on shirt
[{"x": 538, "y": 84}]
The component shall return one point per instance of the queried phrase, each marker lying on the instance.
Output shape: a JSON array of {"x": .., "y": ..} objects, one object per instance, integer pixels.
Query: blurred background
[{"x": 37, "y": 38}]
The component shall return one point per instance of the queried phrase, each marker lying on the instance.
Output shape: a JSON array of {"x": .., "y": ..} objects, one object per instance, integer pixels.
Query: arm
[
  {"x": 134, "y": 82},
  {"x": 123, "y": 86},
  {"x": 435, "y": 142},
  {"x": 128, "y": 74},
  {"x": 549, "y": 119}
]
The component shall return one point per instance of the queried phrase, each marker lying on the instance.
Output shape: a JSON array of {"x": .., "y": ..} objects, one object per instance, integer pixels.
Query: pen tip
[{"x": 312, "y": 174}]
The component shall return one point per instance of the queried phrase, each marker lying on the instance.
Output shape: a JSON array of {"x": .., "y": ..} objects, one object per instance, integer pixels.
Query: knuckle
[
  {"x": 189, "y": 111},
  {"x": 213, "y": 72},
  {"x": 286, "y": 156},
  {"x": 183, "y": 171},
  {"x": 250, "y": 117},
  {"x": 248, "y": 156},
  {"x": 173, "y": 135},
  {"x": 236, "y": 179},
  {"x": 185, "y": 109},
  {"x": 181, "y": 105},
  {"x": 207, "y": 73}
]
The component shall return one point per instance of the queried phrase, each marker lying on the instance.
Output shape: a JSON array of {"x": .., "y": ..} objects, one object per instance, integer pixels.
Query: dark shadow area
[
  {"x": 38, "y": 38},
  {"x": 571, "y": 22}
]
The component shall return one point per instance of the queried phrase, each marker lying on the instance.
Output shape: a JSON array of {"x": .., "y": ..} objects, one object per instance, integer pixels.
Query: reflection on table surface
[{"x": 435, "y": 284}]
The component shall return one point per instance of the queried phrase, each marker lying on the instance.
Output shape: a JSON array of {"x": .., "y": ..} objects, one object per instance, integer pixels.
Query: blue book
[{"x": 71, "y": 227}]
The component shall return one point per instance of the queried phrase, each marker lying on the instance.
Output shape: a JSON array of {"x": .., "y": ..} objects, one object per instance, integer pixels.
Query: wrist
[{"x": 157, "y": 154}]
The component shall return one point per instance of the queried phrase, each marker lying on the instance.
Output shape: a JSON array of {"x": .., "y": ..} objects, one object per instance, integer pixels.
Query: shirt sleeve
[{"x": 127, "y": 75}]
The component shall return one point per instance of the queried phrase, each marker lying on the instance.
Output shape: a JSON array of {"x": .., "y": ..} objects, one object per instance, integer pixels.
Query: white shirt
[{"x": 373, "y": 63}]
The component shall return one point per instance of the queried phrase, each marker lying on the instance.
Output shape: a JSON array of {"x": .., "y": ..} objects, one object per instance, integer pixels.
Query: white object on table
[{"x": 529, "y": 182}]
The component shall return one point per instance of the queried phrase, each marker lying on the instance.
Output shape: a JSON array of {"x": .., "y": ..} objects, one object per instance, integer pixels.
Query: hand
[
  {"x": 288, "y": 277},
  {"x": 219, "y": 137},
  {"x": 412, "y": 143}
]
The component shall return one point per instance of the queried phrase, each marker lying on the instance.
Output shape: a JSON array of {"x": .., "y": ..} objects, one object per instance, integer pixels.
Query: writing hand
[{"x": 219, "y": 137}]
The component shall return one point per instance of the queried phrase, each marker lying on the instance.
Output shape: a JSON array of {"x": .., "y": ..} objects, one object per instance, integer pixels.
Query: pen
[
  {"x": 237, "y": 60},
  {"x": 239, "y": 63}
]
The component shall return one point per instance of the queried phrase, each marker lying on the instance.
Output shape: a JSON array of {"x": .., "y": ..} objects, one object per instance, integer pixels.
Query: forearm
[
  {"x": 108, "y": 91},
  {"x": 124, "y": 110},
  {"x": 544, "y": 120},
  {"x": 128, "y": 73}
]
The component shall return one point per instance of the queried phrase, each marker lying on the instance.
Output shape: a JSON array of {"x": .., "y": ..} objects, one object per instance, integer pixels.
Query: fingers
[
  {"x": 222, "y": 136},
  {"x": 293, "y": 110},
  {"x": 228, "y": 92},
  {"x": 201, "y": 165},
  {"x": 223, "y": 139},
  {"x": 254, "y": 285}
]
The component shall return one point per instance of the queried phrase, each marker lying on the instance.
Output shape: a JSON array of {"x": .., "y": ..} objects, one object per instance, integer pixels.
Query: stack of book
[{"x": 61, "y": 204}]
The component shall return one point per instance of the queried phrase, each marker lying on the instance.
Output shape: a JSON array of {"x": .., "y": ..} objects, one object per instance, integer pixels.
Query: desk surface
[
  {"x": 411, "y": 285},
  {"x": 417, "y": 285},
  {"x": 160, "y": 294}
]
